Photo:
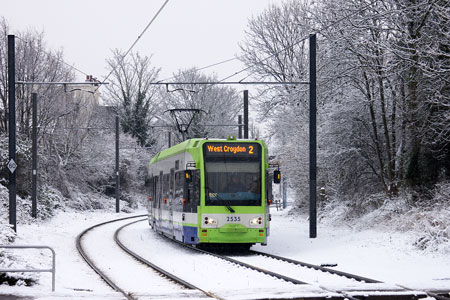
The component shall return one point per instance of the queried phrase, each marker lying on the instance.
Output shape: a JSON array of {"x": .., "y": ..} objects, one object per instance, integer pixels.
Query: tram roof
[{"x": 194, "y": 145}]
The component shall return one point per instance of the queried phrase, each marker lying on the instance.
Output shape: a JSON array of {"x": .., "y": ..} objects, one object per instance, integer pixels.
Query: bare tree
[
  {"x": 276, "y": 49},
  {"x": 63, "y": 112},
  {"x": 220, "y": 105},
  {"x": 34, "y": 62},
  {"x": 133, "y": 95},
  {"x": 383, "y": 87}
]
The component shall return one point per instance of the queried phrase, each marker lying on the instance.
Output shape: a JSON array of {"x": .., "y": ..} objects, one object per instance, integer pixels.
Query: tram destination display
[{"x": 231, "y": 150}]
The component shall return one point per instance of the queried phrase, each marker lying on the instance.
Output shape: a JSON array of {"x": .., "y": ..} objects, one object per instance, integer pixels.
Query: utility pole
[
  {"x": 240, "y": 127},
  {"x": 34, "y": 158},
  {"x": 312, "y": 139},
  {"x": 12, "y": 131},
  {"x": 245, "y": 114},
  {"x": 117, "y": 166}
]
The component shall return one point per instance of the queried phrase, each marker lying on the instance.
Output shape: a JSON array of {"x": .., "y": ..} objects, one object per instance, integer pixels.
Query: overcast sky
[{"x": 187, "y": 33}]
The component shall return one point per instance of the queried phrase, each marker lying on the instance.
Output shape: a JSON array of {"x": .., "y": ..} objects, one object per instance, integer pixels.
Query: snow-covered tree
[
  {"x": 276, "y": 49},
  {"x": 382, "y": 89},
  {"x": 219, "y": 105},
  {"x": 133, "y": 95},
  {"x": 34, "y": 62}
]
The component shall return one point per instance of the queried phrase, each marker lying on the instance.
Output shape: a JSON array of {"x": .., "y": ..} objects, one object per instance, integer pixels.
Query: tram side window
[
  {"x": 179, "y": 181},
  {"x": 155, "y": 191},
  {"x": 166, "y": 184},
  {"x": 191, "y": 190},
  {"x": 172, "y": 183},
  {"x": 196, "y": 187},
  {"x": 149, "y": 185}
]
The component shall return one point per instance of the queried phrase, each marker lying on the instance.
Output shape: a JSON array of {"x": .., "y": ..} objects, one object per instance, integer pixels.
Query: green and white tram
[{"x": 211, "y": 191}]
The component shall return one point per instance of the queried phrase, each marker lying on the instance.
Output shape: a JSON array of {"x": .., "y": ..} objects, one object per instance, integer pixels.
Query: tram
[{"x": 212, "y": 192}]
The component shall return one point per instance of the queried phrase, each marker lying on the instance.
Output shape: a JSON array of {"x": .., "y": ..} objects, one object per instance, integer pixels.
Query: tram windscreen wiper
[
  {"x": 218, "y": 197},
  {"x": 230, "y": 209}
]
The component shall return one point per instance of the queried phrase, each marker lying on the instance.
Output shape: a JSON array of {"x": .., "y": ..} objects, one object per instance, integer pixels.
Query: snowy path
[
  {"x": 219, "y": 277},
  {"x": 314, "y": 277},
  {"x": 130, "y": 275},
  {"x": 375, "y": 253}
]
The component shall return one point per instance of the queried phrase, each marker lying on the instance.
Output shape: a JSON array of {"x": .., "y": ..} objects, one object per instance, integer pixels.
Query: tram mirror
[
  {"x": 276, "y": 177},
  {"x": 148, "y": 181},
  {"x": 188, "y": 175}
]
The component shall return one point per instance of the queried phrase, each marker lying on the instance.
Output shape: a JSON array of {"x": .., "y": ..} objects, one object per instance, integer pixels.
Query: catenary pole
[
  {"x": 312, "y": 139},
  {"x": 34, "y": 158},
  {"x": 169, "y": 138},
  {"x": 245, "y": 114},
  {"x": 117, "y": 166},
  {"x": 240, "y": 127},
  {"x": 12, "y": 131}
]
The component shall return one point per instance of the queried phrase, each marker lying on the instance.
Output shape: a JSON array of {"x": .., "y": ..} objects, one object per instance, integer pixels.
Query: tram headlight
[
  {"x": 256, "y": 221},
  {"x": 209, "y": 221}
]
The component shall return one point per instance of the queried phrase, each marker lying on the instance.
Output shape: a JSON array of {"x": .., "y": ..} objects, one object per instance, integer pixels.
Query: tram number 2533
[{"x": 233, "y": 219}]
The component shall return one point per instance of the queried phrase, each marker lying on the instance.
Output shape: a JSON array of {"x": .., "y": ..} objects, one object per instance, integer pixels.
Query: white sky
[{"x": 187, "y": 33}]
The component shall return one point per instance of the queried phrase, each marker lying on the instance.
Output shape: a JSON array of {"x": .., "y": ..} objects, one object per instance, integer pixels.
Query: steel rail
[
  {"x": 237, "y": 262},
  {"x": 267, "y": 272},
  {"x": 429, "y": 293},
  {"x": 270, "y": 273},
  {"x": 316, "y": 267},
  {"x": 153, "y": 266},
  {"x": 345, "y": 274},
  {"x": 437, "y": 296},
  {"x": 89, "y": 261}
]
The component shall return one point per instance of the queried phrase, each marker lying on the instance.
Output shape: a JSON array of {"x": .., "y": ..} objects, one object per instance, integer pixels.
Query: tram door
[
  {"x": 160, "y": 197},
  {"x": 153, "y": 182},
  {"x": 171, "y": 199}
]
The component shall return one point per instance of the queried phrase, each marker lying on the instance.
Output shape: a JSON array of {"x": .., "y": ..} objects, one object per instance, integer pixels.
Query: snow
[
  {"x": 374, "y": 253},
  {"x": 378, "y": 253},
  {"x": 207, "y": 272}
]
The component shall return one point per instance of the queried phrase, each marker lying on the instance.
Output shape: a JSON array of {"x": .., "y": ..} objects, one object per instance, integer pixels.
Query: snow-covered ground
[
  {"x": 374, "y": 253},
  {"x": 377, "y": 253}
]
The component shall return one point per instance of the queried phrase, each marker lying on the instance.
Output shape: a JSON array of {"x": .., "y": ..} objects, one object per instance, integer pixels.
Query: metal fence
[{"x": 52, "y": 270}]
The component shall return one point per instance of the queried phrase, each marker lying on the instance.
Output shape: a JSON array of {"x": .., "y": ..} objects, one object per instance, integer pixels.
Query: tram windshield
[{"x": 233, "y": 180}]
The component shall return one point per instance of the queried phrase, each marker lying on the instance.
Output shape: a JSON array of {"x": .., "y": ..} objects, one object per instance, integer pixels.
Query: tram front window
[{"x": 231, "y": 182}]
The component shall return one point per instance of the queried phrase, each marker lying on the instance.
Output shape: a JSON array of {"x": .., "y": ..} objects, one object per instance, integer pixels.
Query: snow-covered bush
[
  {"x": 428, "y": 221},
  {"x": 9, "y": 261},
  {"x": 23, "y": 161},
  {"x": 432, "y": 220},
  {"x": 434, "y": 229},
  {"x": 49, "y": 200},
  {"x": 7, "y": 236}
]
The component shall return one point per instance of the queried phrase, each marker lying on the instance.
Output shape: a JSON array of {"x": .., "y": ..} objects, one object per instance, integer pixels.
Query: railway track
[
  {"x": 91, "y": 263},
  {"x": 344, "y": 274},
  {"x": 214, "y": 266},
  {"x": 163, "y": 272},
  {"x": 129, "y": 295},
  {"x": 396, "y": 292},
  {"x": 378, "y": 290},
  {"x": 357, "y": 287}
]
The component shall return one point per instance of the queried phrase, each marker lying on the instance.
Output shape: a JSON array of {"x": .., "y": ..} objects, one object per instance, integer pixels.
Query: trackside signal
[{"x": 276, "y": 177}]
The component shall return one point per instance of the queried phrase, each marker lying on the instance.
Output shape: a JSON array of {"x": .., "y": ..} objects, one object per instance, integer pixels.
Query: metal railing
[{"x": 52, "y": 270}]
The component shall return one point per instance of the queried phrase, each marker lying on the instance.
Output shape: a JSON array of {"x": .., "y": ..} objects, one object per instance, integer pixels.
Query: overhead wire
[
  {"x": 205, "y": 67},
  {"x": 136, "y": 41},
  {"x": 236, "y": 58},
  {"x": 302, "y": 40},
  {"x": 280, "y": 51},
  {"x": 129, "y": 50},
  {"x": 54, "y": 56}
]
